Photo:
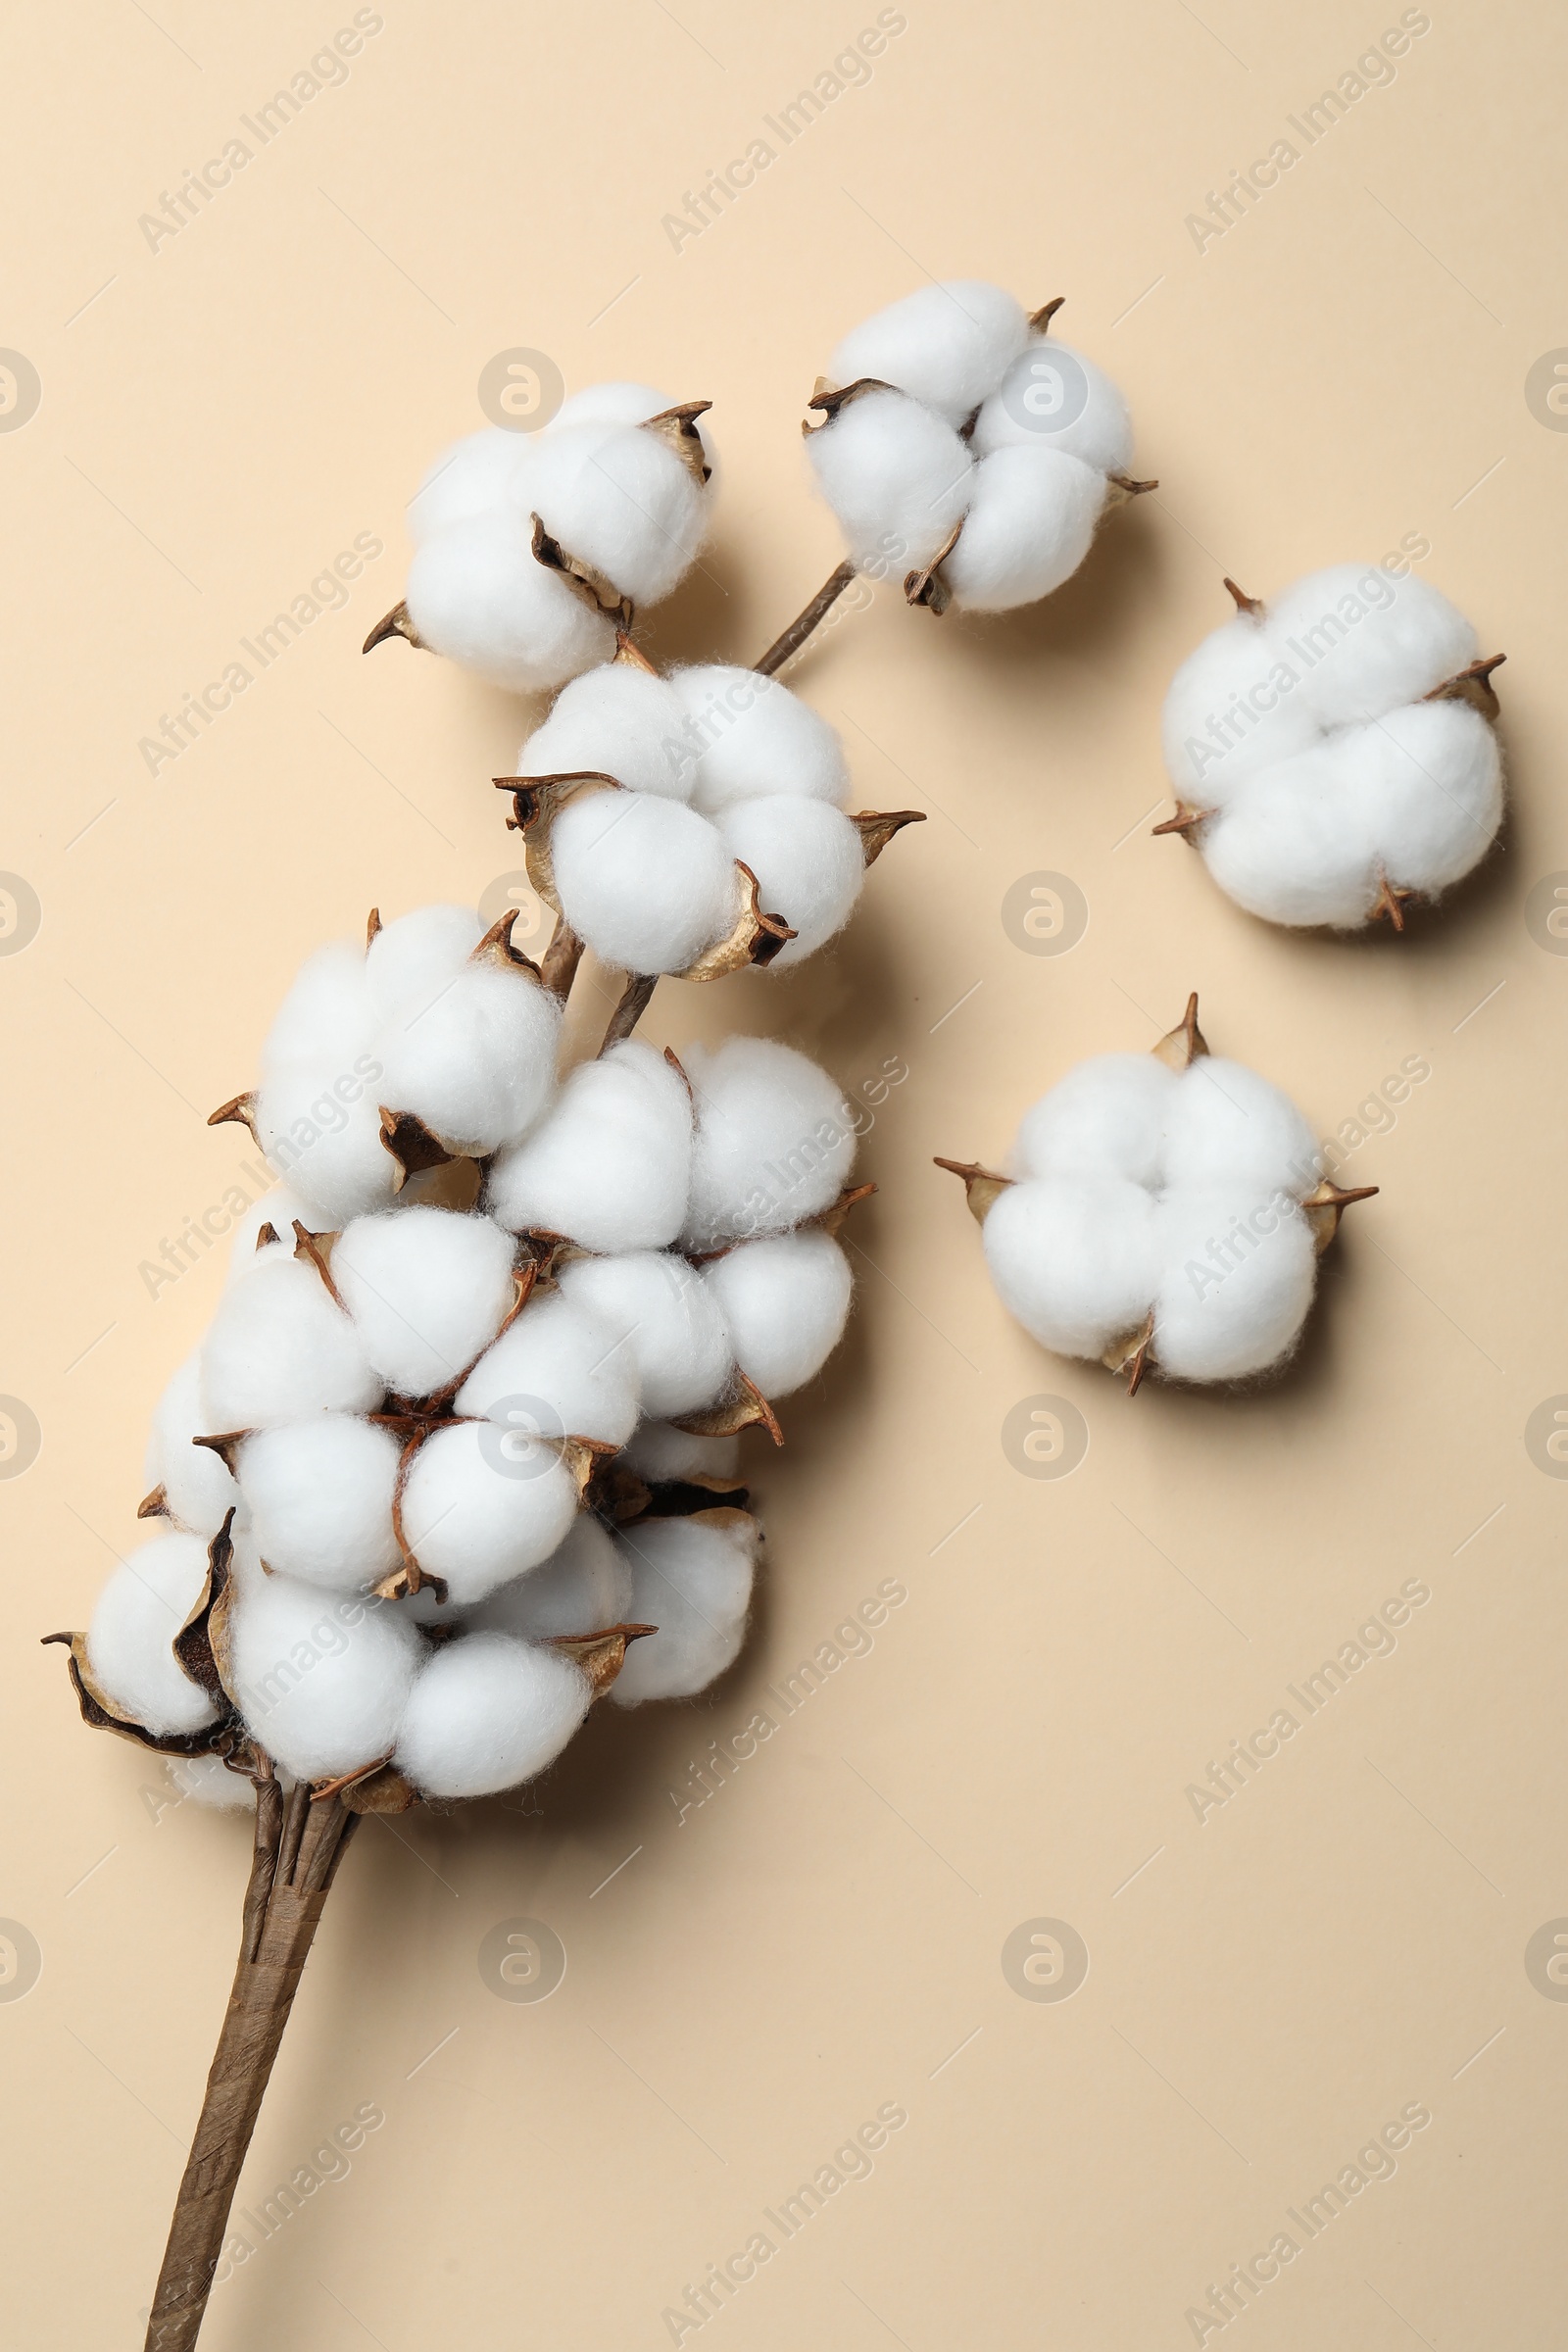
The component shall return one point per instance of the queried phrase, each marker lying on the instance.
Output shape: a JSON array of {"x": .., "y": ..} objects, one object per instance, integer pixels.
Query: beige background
[{"x": 1268, "y": 1987}]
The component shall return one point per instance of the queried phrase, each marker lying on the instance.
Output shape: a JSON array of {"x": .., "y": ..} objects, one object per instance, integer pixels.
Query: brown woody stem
[
  {"x": 298, "y": 1849},
  {"x": 558, "y": 969},
  {"x": 801, "y": 627},
  {"x": 635, "y": 998}
]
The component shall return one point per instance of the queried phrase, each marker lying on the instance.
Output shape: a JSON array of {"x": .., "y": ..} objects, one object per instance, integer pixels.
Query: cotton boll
[
  {"x": 809, "y": 865},
  {"x": 278, "y": 1209},
  {"x": 692, "y": 1578},
  {"x": 411, "y": 959},
  {"x": 129, "y": 1642},
  {"x": 1430, "y": 777},
  {"x": 666, "y": 1323},
  {"x": 646, "y": 882},
  {"x": 322, "y": 1679},
  {"x": 1075, "y": 1258},
  {"x": 575, "y": 1377},
  {"x": 324, "y": 1126},
  {"x": 619, "y": 499},
  {"x": 755, "y": 737},
  {"x": 478, "y": 594},
  {"x": 1298, "y": 846},
  {"x": 616, "y": 721},
  {"x": 319, "y": 1495},
  {"x": 486, "y": 1713},
  {"x": 481, "y": 1505},
  {"x": 278, "y": 1350},
  {"x": 947, "y": 345},
  {"x": 1226, "y": 1126},
  {"x": 1105, "y": 1118},
  {"x": 897, "y": 476},
  {"x": 326, "y": 1014},
  {"x": 660, "y": 1453},
  {"x": 1238, "y": 1279},
  {"x": 1055, "y": 397},
  {"x": 609, "y": 1165},
  {"x": 609, "y": 404},
  {"x": 1366, "y": 641},
  {"x": 581, "y": 1589},
  {"x": 467, "y": 481},
  {"x": 197, "y": 1487},
  {"x": 1233, "y": 708},
  {"x": 427, "y": 1290},
  {"x": 774, "y": 1142},
  {"x": 478, "y": 1064},
  {"x": 1031, "y": 519},
  {"x": 785, "y": 1302}
]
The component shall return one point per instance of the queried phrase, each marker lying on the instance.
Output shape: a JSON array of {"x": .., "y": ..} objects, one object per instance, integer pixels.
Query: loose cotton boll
[
  {"x": 646, "y": 882},
  {"x": 1238, "y": 1278},
  {"x": 467, "y": 481},
  {"x": 774, "y": 1142},
  {"x": 478, "y": 594},
  {"x": 692, "y": 1578},
  {"x": 1106, "y": 1118},
  {"x": 581, "y": 1589},
  {"x": 1075, "y": 1258},
  {"x": 319, "y": 1495},
  {"x": 198, "y": 1491},
  {"x": 1031, "y": 519},
  {"x": 619, "y": 721},
  {"x": 560, "y": 1369},
  {"x": 1333, "y": 753},
  {"x": 662, "y": 1453},
  {"x": 321, "y": 1679},
  {"x": 947, "y": 345},
  {"x": 785, "y": 1302},
  {"x": 752, "y": 738},
  {"x": 1055, "y": 397},
  {"x": 478, "y": 1066},
  {"x": 809, "y": 865},
  {"x": 616, "y": 497},
  {"x": 897, "y": 476},
  {"x": 609, "y": 1166},
  {"x": 1228, "y": 1128},
  {"x": 486, "y": 1713},
  {"x": 129, "y": 1642},
  {"x": 278, "y": 1350},
  {"x": 653, "y": 1305},
  {"x": 427, "y": 1290},
  {"x": 481, "y": 1505}
]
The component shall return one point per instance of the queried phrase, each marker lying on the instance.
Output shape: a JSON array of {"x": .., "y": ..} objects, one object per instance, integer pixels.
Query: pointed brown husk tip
[
  {"x": 1133, "y": 1354},
  {"x": 395, "y": 623},
  {"x": 1186, "y": 822},
  {"x": 1040, "y": 320},
  {"x": 1184, "y": 1044},
  {"x": 877, "y": 827},
  {"x": 1324, "y": 1206},
  {"x": 1250, "y": 604},
  {"x": 1473, "y": 686},
  {"x": 982, "y": 1187}
]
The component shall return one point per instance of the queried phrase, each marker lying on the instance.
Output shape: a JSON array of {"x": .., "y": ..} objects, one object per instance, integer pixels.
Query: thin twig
[
  {"x": 634, "y": 1001},
  {"x": 558, "y": 968},
  {"x": 801, "y": 627}
]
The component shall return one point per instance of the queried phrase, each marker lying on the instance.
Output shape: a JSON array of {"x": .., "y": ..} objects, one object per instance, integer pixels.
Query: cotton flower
[
  {"x": 961, "y": 439},
  {"x": 530, "y": 549},
  {"x": 1333, "y": 754},
  {"x": 1164, "y": 1211},
  {"x": 693, "y": 824}
]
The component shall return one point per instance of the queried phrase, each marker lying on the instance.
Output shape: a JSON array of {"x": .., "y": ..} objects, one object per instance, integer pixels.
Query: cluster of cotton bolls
[
  {"x": 1164, "y": 1211},
  {"x": 1333, "y": 753},
  {"x": 661, "y": 787},
  {"x": 530, "y": 547},
  {"x": 963, "y": 440},
  {"x": 433, "y": 1475}
]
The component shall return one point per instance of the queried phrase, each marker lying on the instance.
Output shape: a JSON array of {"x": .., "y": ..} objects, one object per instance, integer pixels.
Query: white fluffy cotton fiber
[
  {"x": 1143, "y": 1190},
  {"x": 140, "y": 1611},
  {"x": 561, "y": 1366},
  {"x": 646, "y": 881},
  {"x": 609, "y": 1166},
  {"x": 774, "y": 1142},
  {"x": 581, "y": 1589},
  {"x": 660, "y": 1316},
  {"x": 988, "y": 424},
  {"x": 1327, "y": 787},
  {"x": 322, "y": 1678},
  {"x": 426, "y": 1289},
  {"x": 279, "y": 1349},
  {"x": 319, "y": 1498},
  {"x": 483, "y": 1502},
  {"x": 785, "y": 1302},
  {"x": 691, "y": 1578},
  {"x": 487, "y": 1712},
  {"x": 198, "y": 1491}
]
